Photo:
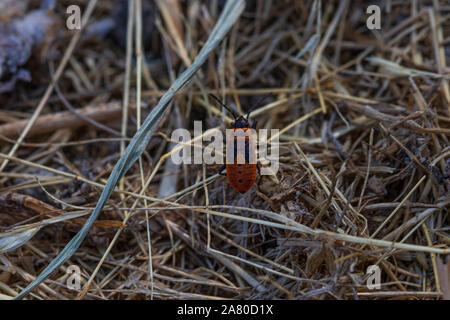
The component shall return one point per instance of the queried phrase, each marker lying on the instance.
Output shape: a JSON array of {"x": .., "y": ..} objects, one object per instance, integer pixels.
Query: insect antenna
[
  {"x": 235, "y": 115},
  {"x": 258, "y": 104}
]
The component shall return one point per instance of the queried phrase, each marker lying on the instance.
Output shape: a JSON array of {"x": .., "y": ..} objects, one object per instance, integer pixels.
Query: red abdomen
[{"x": 241, "y": 159}]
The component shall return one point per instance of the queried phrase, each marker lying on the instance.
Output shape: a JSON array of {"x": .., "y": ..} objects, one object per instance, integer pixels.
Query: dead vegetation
[{"x": 364, "y": 176}]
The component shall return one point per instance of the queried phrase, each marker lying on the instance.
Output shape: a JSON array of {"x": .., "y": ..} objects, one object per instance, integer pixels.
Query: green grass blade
[{"x": 230, "y": 14}]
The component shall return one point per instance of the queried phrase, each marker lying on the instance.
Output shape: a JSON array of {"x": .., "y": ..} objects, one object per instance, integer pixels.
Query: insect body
[
  {"x": 240, "y": 153},
  {"x": 241, "y": 158}
]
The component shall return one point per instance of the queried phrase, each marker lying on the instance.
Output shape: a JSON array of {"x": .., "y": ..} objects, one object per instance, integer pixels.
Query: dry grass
[{"x": 364, "y": 179}]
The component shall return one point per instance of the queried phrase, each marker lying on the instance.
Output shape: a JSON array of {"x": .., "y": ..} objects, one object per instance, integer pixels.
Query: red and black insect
[{"x": 241, "y": 170}]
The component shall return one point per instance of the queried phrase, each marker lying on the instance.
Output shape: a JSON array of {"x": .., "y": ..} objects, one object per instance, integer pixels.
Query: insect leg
[{"x": 222, "y": 168}]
